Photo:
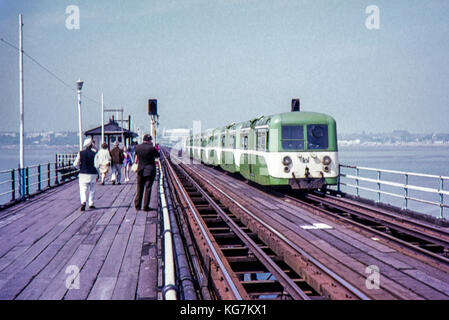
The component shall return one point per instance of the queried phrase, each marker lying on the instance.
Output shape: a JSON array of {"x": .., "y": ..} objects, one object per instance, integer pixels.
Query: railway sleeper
[{"x": 317, "y": 282}]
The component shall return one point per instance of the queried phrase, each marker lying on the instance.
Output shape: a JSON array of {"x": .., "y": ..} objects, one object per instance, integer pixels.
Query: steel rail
[
  {"x": 314, "y": 261},
  {"x": 392, "y": 225},
  {"x": 372, "y": 230},
  {"x": 203, "y": 231},
  {"x": 377, "y": 211},
  {"x": 288, "y": 284}
]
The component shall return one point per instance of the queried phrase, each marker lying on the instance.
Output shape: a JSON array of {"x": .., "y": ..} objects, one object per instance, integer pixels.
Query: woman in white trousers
[{"x": 103, "y": 161}]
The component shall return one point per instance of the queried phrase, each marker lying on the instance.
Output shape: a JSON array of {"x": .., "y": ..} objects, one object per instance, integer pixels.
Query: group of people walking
[
  {"x": 95, "y": 165},
  {"x": 116, "y": 159}
]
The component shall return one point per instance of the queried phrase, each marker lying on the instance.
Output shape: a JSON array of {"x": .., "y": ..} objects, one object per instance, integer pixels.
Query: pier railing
[
  {"x": 37, "y": 178},
  {"x": 425, "y": 189}
]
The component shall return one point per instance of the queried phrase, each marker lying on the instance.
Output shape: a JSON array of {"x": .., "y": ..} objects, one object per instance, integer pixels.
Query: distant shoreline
[
  {"x": 340, "y": 145},
  {"x": 390, "y": 145},
  {"x": 39, "y": 146}
]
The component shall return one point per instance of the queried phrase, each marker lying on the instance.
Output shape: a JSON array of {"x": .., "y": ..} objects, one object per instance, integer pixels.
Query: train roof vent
[{"x": 296, "y": 105}]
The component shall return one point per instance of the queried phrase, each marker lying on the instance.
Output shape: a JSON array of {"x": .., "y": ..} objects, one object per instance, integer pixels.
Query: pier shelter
[{"x": 112, "y": 132}]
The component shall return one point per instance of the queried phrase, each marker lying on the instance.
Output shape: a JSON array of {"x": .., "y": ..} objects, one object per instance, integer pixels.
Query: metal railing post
[
  {"x": 405, "y": 206},
  {"x": 49, "y": 174},
  {"x": 27, "y": 182},
  {"x": 441, "y": 198},
  {"x": 13, "y": 185},
  {"x": 357, "y": 181},
  {"x": 338, "y": 179},
  {"x": 56, "y": 174},
  {"x": 39, "y": 178},
  {"x": 378, "y": 185},
  {"x": 21, "y": 183}
]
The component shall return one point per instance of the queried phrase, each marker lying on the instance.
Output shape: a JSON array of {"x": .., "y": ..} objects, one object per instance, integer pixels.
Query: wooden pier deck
[{"x": 51, "y": 250}]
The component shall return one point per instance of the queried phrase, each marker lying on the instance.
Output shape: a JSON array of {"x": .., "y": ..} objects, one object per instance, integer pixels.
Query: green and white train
[{"x": 297, "y": 149}]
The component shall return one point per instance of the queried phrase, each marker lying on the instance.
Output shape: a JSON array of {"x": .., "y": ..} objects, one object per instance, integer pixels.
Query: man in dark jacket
[
  {"x": 145, "y": 154},
  {"x": 117, "y": 163}
]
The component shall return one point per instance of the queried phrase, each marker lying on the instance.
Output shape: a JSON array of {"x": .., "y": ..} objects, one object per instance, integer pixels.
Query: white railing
[{"x": 405, "y": 187}]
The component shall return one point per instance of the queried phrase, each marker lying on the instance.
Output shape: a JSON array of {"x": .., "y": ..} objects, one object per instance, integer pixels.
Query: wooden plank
[
  {"x": 266, "y": 203},
  {"x": 103, "y": 288},
  {"x": 84, "y": 255},
  {"x": 91, "y": 268},
  {"x": 19, "y": 280},
  {"x": 45, "y": 222},
  {"x": 40, "y": 243},
  {"x": 36, "y": 212},
  {"x": 59, "y": 286},
  {"x": 43, "y": 258},
  {"x": 127, "y": 281},
  {"x": 147, "y": 283},
  {"x": 350, "y": 269},
  {"x": 430, "y": 281},
  {"x": 59, "y": 261},
  {"x": 94, "y": 263},
  {"x": 37, "y": 230},
  {"x": 148, "y": 269}
]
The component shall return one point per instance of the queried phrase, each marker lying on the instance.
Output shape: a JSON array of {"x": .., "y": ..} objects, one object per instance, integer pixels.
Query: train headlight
[
  {"x": 327, "y": 160},
  {"x": 287, "y": 161}
]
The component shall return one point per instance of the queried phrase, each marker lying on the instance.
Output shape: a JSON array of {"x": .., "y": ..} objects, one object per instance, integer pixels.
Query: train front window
[
  {"x": 317, "y": 137},
  {"x": 293, "y": 137}
]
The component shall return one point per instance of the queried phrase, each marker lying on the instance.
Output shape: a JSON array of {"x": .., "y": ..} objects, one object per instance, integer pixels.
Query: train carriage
[{"x": 296, "y": 149}]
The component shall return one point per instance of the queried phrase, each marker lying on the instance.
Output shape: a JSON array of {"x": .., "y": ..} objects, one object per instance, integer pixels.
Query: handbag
[{"x": 134, "y": 167}]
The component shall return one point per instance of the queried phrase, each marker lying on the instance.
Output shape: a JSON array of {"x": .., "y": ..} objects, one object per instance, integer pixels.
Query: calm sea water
[
  {"x": 9, "y": 155},
  {"x": 428, "y": 159},
  {"x": 34, "y": 155}
]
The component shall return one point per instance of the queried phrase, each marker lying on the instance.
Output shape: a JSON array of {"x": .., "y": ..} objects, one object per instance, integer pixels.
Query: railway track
[
  {"x": 427, "y": 240},
  {"x": 246, "y": 266}
]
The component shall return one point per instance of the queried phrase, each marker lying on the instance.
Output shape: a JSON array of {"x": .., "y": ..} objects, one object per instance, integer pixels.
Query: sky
[{"x": 224, "y": 61}]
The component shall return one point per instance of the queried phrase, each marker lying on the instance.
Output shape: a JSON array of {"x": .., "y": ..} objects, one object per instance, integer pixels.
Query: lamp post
[{"x": 79, "y": 84}]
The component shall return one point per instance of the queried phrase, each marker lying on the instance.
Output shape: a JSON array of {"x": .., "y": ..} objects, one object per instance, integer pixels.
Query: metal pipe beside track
[
  {"x": 169, "y": 291},
  {"x": 185, "y": 277},
  {"x": 226, "y": 275}
]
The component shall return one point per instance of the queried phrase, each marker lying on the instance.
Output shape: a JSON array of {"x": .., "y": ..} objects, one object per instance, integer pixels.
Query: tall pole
[
  {"x": 123, "y": 134},
  {"x": 156, "y": 123},
  {"x": 152, "y": 126},
  {"x": 80, "y": 86},
  {"x": 22, "y": 133},
  {"x": 102, "y": 118}
]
